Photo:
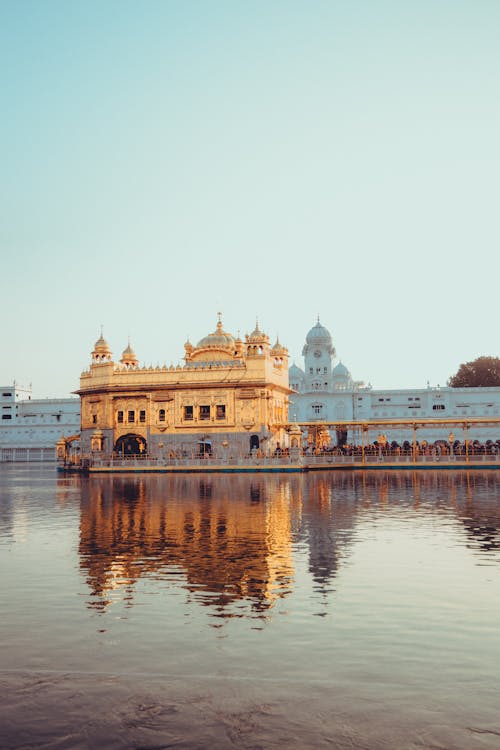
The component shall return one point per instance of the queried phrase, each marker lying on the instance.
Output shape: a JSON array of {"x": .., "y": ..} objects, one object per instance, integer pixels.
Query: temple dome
[
  {"x": 295, "y": 371},
  {"x": 101, "y": 345},
  {"x": 101, "y": 352},
  {"x": 128, "y": 356},
  {"x": 278, "y": 348},
  {"x": 340, "y": 371},
  {"x": 128, "y": 352},
  {"x": 319, "y": 335},
  {"x": 219, "y": 339},
  {"x": 257, "y": 336}
]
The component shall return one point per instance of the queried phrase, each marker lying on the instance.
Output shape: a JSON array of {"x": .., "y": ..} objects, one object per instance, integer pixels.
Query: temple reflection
[
  {"x": 229, "y": 537},
  {"x": 229, "y": 540}
]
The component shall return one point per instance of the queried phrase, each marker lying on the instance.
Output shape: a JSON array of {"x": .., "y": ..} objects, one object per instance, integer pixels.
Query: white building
[
  {"x": 326, "y": 392},
  {"x": 30, "y": 428}
]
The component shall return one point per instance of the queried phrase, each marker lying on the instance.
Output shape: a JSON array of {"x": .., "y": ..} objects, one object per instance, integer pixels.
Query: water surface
[{"x": 323, "y": 610}]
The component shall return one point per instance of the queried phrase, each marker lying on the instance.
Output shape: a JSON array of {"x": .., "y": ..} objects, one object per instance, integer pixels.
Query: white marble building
[
  {"x": 30, "y": 428},
  {"x": 326, "y": 391}
]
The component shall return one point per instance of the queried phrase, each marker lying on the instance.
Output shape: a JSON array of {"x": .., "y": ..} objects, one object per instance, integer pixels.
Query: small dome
[
  {"x": 295, "y": 371},
  {"x": 319, "y": 335},
  {"x": 128, "y": 352},
  {"x": 278, "y": 348},
  {"x": 219, "y": 339},
  {"x": 101, "y": 345},
  {"x": 257, "y": 335},
  {"x": 128, "y": 356},
  {"x": 101, "y": 352},
  {"x": 340, "y": 371}
]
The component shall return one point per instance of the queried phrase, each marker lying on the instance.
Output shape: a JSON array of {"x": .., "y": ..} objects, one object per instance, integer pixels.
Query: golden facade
[{"x": 229, "y": 398}]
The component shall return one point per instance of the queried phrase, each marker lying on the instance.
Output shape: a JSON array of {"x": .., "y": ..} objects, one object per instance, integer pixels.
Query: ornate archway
[
  {"x": 254, "y": 442},
  {"x": 131, "y": 445}
]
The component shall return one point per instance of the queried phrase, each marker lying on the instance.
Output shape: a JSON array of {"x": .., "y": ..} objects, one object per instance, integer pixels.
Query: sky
[{"x": 271, "y": 160}]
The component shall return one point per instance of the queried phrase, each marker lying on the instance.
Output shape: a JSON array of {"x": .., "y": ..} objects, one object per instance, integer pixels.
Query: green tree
[{"x": 481, "y": 372}]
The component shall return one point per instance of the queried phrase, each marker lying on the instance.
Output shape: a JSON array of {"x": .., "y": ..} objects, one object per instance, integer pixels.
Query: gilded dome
[
  {"x": 219, "y": 339},
  {"x": 101, "y": 345},
  {"x": 128, "y": 356},
  {"x": 278, "y": 348},
  {"x": 128, "y": 352},
  {"x": 257, "y": 335}
]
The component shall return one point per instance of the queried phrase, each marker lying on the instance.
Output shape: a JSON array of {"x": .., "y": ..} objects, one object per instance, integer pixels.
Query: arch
[
  {"x": 254, "y": 442},
  {"x": 204, "y": 448},
  {"x": 131, "y": 445}
]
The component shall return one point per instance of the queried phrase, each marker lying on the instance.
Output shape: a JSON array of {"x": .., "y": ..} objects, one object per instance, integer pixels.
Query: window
[
  {"x": 161, "y": 415},
  {"x": 438, "y": 407},
  {"x": 204, "y": 412},
  {"x": 6, "y": 394},
  {"x": 317, "y": 408},
  {"x": 94, "y": 418},
  {"x": 119, "y": 417},
  {"x": 311, "y": 371},
  {"x": 188, "y": 412},
  {"x": 142, "y": 415},
  {"x": 220, "y": 411},
  {"x": 6, "y": 416},
  {"x": 131, "y": 416}
]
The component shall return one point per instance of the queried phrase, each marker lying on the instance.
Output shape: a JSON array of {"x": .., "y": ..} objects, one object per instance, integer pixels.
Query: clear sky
[{"x": 162, "y": 161}]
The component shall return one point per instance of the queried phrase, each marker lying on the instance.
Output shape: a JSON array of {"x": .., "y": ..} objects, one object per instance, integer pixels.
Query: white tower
[{"x": 318, "y": 352}]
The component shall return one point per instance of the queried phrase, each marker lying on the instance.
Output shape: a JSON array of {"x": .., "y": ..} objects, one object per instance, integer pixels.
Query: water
[{"x": 333, "y": 610}]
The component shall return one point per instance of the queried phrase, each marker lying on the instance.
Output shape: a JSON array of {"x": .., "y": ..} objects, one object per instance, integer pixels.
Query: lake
[{"x": 322, "y": 610}]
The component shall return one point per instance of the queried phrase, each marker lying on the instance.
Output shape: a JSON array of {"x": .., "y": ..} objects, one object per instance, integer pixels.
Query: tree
[{"x": 481, "y": 372}]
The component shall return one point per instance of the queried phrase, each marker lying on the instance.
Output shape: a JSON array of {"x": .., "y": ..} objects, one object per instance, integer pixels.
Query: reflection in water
[
  {"x": 201, "y": 596},
  {"x": 229, "y": 539}
]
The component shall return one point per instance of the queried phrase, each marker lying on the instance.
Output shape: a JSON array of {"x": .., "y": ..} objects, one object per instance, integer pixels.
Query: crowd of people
[{"x": 406, "y": 448}]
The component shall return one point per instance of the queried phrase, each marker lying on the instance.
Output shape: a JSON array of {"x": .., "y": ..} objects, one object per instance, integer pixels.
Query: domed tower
[
  {"x": 128, "y": 357},
  {"x": 341, "y": 378},
  {"x": 257, "y": 342},
  {"x": 318, "y": 352},
  {"x": 101, "y": 352},
  {"x": 279, "y": 353}
]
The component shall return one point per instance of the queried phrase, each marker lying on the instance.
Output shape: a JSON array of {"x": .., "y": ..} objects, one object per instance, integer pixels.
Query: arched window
[{"x": 161, "y": 415}]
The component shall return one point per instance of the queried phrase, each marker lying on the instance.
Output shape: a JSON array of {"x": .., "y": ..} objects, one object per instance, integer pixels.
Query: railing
[
  {"x": 406, "y": 458},
  {"x": 305, "y": 461},
  {"x": 25, "y": 455},
  {"x": 195, "y": 461}
]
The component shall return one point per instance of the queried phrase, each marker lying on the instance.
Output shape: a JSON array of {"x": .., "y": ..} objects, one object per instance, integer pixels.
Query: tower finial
[{"x": 219, "y": 321}]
